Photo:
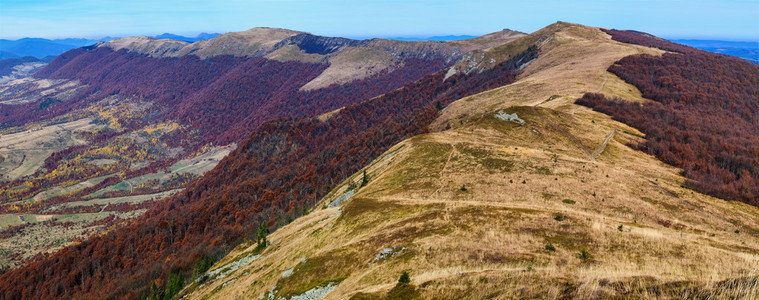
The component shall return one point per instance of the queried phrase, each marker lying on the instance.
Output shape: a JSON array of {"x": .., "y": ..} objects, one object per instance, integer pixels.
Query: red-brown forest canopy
[
  {"x": 705, "y": 118},
  {"x": 222, "y": 98},
  {"x": 284, "y": 166}
]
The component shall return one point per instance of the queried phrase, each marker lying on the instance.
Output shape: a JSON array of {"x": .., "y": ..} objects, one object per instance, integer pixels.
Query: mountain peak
[
  {"x": 489, "y": 40},
  {"x": 268, "y": 30},
  {"x": 146, "y": 45}
]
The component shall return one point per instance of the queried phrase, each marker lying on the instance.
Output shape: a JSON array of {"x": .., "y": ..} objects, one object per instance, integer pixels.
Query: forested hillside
[
  {"x": 507, "y": 194},
  {"x": 516, "y": 193},
  {"x": 283, "y": 168},
  {"x": 114, "y": 127},
  {"x": 210, "y": 95},
  {"x": 704, "y": 119}
]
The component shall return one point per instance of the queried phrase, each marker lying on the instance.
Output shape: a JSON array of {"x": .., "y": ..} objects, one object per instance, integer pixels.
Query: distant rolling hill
[
  {"x": 214, "y": 84},
  {"x": 435, "y": 38},
  {"x": 7, "y": 65},
  {"x": 15, "y": 68},
  {"x": 746, "y": 50},
  {"x": 40, "y": 48},
  {"x": 199, "y": 37}
]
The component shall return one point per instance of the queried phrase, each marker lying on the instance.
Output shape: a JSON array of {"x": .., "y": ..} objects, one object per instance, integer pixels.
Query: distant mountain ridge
[
  {"x": 169, "y": 112},
  {"x": 435, "y": 38},
  {"x": 348, "y": 59},
  {"x": 320, "y": 74},
  {"x": 41, "y": 48},
  {"x": 256, "y": 42},
  {"x": 746, "y": 50},
  {"x": 199, "y": 37}
]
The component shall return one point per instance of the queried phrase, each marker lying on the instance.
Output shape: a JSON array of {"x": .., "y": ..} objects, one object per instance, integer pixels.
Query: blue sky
[{"x": 699, "y": 19}]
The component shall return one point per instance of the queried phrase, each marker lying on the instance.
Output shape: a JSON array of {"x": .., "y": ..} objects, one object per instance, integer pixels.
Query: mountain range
[
  {"x": 200, "y": 37},
  {"x": 746, "y": 50},
  {"x": 133, "y": 120},
  {"x": 39, "y": 47},
  {"x": 436, "y": 38},
  {"x": 571, "y": 162},
  {"x": 44, "y": 48}
]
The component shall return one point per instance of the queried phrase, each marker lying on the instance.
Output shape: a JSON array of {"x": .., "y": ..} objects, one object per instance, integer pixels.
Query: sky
[{"x": 694, "y": 19}]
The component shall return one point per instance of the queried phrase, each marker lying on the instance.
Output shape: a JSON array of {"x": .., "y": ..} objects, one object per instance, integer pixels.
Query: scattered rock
[
  {"x": 345, "y": 196},
  {"x": 502, "y": 115},
  {"x": 316, "y": 293},
  {"x": 287, "y": 273},
  {"x": 384, "y": 253},
  {"x": 388, "y": 253},
  {"x": 228, "y": 282},
  {"x": 452, "y": 71},
  {"x": 227, "y": 269},
  {"x": 525, "y": 64},
  {"x": 270, "y": 294}
]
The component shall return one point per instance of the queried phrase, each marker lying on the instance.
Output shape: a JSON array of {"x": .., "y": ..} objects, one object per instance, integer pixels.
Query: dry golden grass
[
  {"x": 352, "y": 64},
  {"x": 487, "y": 41},
  {"x": 244, "y": 43},
  {"x": 571, "y": 62},
  {"x": 40, "y": 238},
  {"x": 476, "y": 208},
  {"x": 327, "y": 115},
  {"x": 28, "y": 89},
  {"x": 361, "y": 62},
  {"x": 26, "y": 151}
]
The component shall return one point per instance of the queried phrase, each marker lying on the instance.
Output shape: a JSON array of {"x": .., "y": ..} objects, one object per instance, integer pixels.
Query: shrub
[
  {"x": 365, "y": 179},
  {"x": 261, "y": 238},
  {"x": 175, "y": 284},
  {"x": 702, "y": 118},
  {"x": 405, "y": 278},
  {"x": 202, "y": 265},
  {"x": 583, "y": 255},
  {"x": 559, "y": 217},
  {"x": 568, "y": 201},
  {"x": 403, "y": 291},
  {"x": 550, "y": 247}
]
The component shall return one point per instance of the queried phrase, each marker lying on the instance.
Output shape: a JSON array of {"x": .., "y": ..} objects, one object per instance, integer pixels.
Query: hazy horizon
[
  {"x": 736, "y": 20},
  {"x": 417, "y": 36}
]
